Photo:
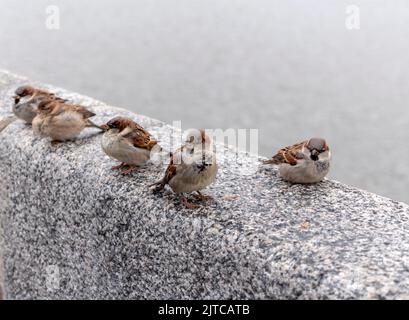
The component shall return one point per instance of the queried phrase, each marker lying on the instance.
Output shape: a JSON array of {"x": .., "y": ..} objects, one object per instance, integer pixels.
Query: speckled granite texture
[{"x": 74, "y": 229}]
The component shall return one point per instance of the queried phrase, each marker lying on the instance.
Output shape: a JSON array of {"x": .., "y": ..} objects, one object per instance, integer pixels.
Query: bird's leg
[
  {"x": 202, "y": 197},
  {"x": 188, "y": 204},
  {"x": 118, "y": 167},
  {"x": 129, "y": 170}
]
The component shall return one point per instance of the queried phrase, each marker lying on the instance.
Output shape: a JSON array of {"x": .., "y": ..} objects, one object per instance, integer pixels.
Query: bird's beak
[
  {"x": 314, "y": 155},
  {"x": 16, "y": 99},
  {"x": 104, "y": 127}
]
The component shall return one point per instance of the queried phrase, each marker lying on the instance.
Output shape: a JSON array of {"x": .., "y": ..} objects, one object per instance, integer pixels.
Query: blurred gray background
[{"x": 290, "y": 68}]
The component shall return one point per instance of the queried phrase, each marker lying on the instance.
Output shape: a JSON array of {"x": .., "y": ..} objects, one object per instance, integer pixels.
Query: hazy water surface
[{"x": 289, "y": 68}]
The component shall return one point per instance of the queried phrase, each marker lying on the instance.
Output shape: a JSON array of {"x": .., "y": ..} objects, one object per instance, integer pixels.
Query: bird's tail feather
[
  {"x": 91, "y": 124},
  {"x": 159, "y": 185},
  {"x": 160, "y": 182},
  {"x": 269, "y": 161}
]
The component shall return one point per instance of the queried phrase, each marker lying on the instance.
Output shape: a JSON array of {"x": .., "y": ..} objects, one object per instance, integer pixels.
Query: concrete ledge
[{"x": 73, "y": 229}]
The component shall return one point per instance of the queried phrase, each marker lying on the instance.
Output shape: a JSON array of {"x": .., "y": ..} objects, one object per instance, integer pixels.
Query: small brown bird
[
  {"x": 193, "y": 167},
  {"x": 25, "y": 108},
  {"x": 26, "y": 101},
  {"x": 126, "y": 141},
  {"x": 61, "y": 121},
  {"x": 304, "y": 162}
]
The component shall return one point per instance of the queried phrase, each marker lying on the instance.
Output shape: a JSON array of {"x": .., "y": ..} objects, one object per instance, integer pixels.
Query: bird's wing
[
  {"x": 169, "y": 173},
  {"x": 139, "y": 137},
  {"x": 44, "y": 94},
  {"x": 175, "y": 161},
  {"x": 289, "y": 155},
  {"x": 81, "y": 110}
]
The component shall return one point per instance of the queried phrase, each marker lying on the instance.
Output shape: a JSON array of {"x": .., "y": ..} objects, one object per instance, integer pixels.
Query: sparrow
[
  {"x": 304, "y": 162},
  {"x": 192, "y": 167},
  {"x": 25, "y": 108},
  {"x": 61, "y": 121},
  {"x": 126, "y": 141}
]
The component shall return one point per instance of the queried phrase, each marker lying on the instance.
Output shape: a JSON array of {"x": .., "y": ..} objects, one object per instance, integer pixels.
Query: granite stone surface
[{"x": 73, "y": 229}]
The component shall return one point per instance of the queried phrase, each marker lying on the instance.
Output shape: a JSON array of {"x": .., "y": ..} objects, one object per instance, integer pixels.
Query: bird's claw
[{"x": 188, "y": 204}]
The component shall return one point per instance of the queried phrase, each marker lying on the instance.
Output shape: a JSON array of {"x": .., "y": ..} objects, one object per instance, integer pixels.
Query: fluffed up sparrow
[
  {"x": 61, "y": 121},
  {"x": 27, "y": 99},
  {"x": 304, "y": 162},
  {"x": 128, "y": 142},
  {"x": 193, "y": 167}
]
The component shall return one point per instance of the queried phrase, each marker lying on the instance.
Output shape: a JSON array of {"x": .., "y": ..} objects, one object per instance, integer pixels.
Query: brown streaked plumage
[
  {"x": 288, "y": 155},
  {"x": 26, "y": 110},
  {"x": 192, "y": 168},
  {"x": 61, "y": 121},
  {"x": 304, "y": 162},
  {"x": 128, "y": 142}
]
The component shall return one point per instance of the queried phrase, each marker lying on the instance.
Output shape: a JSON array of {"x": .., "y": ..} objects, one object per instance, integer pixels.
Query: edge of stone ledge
[
  {"x": 384, "y": 198},
  {"x": 100, "y": 103}
]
